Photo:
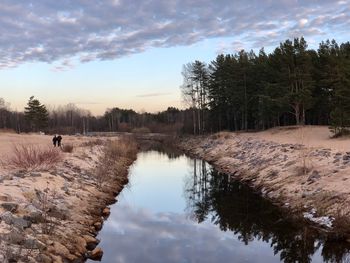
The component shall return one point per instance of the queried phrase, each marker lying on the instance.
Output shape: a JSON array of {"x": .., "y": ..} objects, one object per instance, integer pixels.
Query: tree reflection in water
[{"x": 235, "y": 207}]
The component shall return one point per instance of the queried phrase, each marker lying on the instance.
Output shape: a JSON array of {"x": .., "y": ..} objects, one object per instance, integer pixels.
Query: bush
[
  {"x": 67, "y": 148},
  {"x": 30, "y": 157}
]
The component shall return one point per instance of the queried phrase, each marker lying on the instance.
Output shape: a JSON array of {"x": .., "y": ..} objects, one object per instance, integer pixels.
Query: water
[{"x": 177, "y": 209}]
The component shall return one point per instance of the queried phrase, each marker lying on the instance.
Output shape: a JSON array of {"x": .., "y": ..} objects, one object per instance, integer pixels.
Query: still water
[{"x": 177, "y": 209}]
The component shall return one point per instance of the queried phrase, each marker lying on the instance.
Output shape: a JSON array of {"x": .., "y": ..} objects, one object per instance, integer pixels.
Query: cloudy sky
[{"x": 129, "y": 53}]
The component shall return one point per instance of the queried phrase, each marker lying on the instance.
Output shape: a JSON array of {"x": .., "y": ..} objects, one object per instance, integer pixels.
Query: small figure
[
  {"x": 59, "y": 139},
  {"x": 54, "y": 140}
]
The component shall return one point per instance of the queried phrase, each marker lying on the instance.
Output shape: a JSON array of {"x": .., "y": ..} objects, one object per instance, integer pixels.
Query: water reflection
[
  {"x": 234, "y": 207},
  {"x": 181, "y": 210}
]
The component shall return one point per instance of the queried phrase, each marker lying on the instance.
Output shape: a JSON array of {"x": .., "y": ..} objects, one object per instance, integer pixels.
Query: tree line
[
  {"x": 70, "y": 119},
  {"x": 291, "y": 85}
]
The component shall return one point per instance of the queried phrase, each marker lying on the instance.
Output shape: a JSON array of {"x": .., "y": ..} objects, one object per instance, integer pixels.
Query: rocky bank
[
  {"x": 53, "y": 215},
  {"x": 309, "y": 180}
]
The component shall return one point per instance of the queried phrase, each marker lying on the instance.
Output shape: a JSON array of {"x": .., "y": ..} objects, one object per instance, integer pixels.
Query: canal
[{"x": 179, "y": 209}]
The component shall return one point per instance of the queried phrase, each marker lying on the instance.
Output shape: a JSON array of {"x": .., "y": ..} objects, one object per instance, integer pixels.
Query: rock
[
  {"x": 106, "y": 211},
  {"x": 98, "y": 226},
  {"x": 59, "y": 249},
  {"x": 314, "y": 176},
  {"x": 346, "y": 157},
  {"x": 17, "y": 222},
  {"x": 34, "y": 215},
  {"x": 14, "y": 237},
  {"x": 35, "y": 174},
  {"x": 91, "y": 242},
  {"x": 12, "y": 207},
  {"x": 32, "y": 243},
  {"x": 20, "y": 174},
  {"x": 21, "y": 223},
  {"x": 96, "y": 254},
  {"x": 43, "y": 258},
  {"x": 7, "y": 217},
  {"x": 80, "y": 245}
]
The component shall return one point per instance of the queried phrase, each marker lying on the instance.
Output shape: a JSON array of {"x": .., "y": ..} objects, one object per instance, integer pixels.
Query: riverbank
[
  {"x": 52, "y": 212},
  {"x": 301, "y": 169}
]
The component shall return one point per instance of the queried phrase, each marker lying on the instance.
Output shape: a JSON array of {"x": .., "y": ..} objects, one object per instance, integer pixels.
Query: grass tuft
[{"x": 30, "y": 157}]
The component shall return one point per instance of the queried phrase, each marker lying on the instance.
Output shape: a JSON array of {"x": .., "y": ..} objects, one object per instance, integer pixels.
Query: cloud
[
  {"x": 51, "y": 31},
  {"x": 154, "y": 94},
  {"x": 139, "y": 235}
]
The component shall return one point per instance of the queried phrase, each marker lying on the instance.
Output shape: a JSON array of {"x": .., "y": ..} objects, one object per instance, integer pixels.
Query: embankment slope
[{"x": 298, "y": 167}]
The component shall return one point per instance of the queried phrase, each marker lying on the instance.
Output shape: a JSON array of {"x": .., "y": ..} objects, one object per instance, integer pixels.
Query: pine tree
[
  {"x": 340, "y": 114},
  {"x": 36, "y": 114}
]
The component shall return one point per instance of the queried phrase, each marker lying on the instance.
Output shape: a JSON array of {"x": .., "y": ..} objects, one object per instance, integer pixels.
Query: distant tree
[
  {"x": 36, "y": 114},
  {"x": 4, "y": 113},
  {"x": 195, "y": 92}
]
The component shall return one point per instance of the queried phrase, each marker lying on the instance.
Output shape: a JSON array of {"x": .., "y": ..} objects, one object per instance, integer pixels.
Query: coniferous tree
[
  {"x": 36, "y": 114},
  {"x": 340, "y": 114}
]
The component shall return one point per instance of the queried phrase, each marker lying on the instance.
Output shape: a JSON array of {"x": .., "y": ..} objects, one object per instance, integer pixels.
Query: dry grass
[
  {"x": 67, "y": 148},
  {"x": 30, "y": 157},
  {"x": 125, "y": 147},
  {"x": 141, "y": 130},
  {"x": 114, "y": 156},
  {"x": 305, "y": 152},
  {"x": 7, "y": 130},
  {"x": 92, "y": 143}
]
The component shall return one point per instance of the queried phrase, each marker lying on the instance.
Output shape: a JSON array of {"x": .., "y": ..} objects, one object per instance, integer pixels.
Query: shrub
[
  {"x": 67, "y": 148},
  {"x": 30, "y": 157}
]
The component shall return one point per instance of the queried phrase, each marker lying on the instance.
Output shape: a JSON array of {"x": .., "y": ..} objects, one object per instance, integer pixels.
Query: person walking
[
  {"x": 59, "y": 139},
  {"x": 54, "y": 140}
]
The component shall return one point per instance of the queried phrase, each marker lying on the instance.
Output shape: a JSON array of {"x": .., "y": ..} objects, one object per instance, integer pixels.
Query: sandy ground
[
  {"x": 52, "y": 214},
  {"x": 300, "y": 168}
]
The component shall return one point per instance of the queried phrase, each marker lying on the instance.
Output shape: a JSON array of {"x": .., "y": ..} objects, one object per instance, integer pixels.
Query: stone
[
  {"x": 14, "y": 237},
  {"x": 59, "y": 249},
  {"x": 42, "y": 258},
  {"x": 98, "y": 226},
  {"x": 91, "y": 242},
  {"x": 96, "y": 254},
  {"x": 32, "y": 243},
  {"x": 34, "y": 215},
  {"x": 7, "y": 217},
  {"x": 21, "y": 223},
  {"x": 106, "y": 211},
  {"x": 346, "y": 157},
  {"x": 314, "y": 176},
  {"x": 35, "y": 174},
  {"x": 20, "y": 174},
  {"x": 12, "y": 207}
]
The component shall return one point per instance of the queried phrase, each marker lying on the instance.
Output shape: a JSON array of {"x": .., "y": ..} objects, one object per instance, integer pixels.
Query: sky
[{"x": 129, "y": 54}]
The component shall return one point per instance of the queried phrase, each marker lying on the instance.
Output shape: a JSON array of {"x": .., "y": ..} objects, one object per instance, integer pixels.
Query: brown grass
[
  {"x": 125, "y": 147},
  {"x": 116, "y": 154},
  {"x": 141, "y": 130},
  {"x": 7, "y": 130},
  {"x": 92, "y": 143},
  {"x": 67, "y": 148},
  {"x": 30, "y": 157}
]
